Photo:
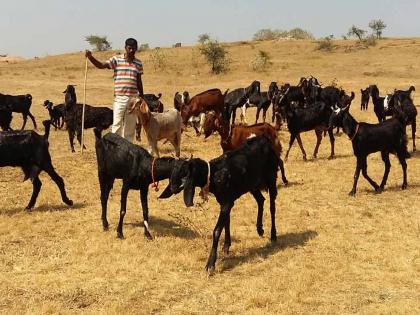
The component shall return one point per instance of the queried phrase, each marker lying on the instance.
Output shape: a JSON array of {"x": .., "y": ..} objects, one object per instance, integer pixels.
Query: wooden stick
[{"x": 84, "y": 105}]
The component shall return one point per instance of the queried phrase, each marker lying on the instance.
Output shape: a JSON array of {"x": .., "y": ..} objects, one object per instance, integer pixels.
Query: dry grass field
[{"x": 335, "y": 254}]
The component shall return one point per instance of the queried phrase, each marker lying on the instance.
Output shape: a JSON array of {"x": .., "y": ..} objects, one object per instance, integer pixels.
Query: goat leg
[
  {"x": 228, "y": 241},
  {"x": 299, "y": 140},
  {"x": 33, "y": 120},
  {"x": 221, "y": 223},
  {"x": 106, "y": 186},
  {"x": 332, "y": 141},
  {"x": 385, "y": 158},
  {"x": 36, "y": 184},
  {"x": 59, "y": 182},
  {"x": 272, "y": 190},
  {"x": 356, "y": 178},
  {"x": 413, "y": 134},
  {"x": 259, "y": 198},
  {"x": 365, "y": 175},
  {"x": 401, "y": 158},
  {"x": 124, "y": 193},
  {"x": 283, "y": 173},
  {"x": 25, "y": 118},
  {"x": 318, "y": 134},
  {"x": 143, "y": 197}
]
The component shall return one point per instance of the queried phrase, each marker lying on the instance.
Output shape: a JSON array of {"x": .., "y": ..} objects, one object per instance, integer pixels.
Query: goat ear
[{"x": 167, "y": 192}]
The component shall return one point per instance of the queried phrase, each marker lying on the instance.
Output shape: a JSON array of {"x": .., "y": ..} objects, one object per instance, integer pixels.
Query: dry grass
[{"x": 335, "y": 254}]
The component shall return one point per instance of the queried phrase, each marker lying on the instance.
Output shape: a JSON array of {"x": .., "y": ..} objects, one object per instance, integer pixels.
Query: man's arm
[
  {"x": 98, "y": 64},
  {"x": 140, "y": 85}
]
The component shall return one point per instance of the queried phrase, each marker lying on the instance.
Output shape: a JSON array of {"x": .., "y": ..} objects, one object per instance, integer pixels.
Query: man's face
[{"x": 130, "y": 50}]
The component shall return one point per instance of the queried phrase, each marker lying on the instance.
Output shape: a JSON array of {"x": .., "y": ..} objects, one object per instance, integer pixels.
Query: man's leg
[
  {"x": 130, "y": 121},
  {"x": 120, "y": 104}
]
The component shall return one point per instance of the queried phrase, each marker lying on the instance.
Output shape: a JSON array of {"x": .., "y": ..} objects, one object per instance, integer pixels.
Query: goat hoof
[
  {"x": 29, "y": 208},
  {"x": 226, "y": 249},
  {"x": 273, "y": 238},
  {"x": 68, "y": 202},
  {"x": 210, "y": 270},
  {"x": 314, "y": 157},
  {"x": 304, "y": 158},
  {"x": 331, "y": 157},
  {"x": 148, "y": 236},
  {"x": 404, "y": 186},
  {"x": 260, "y": 232},
  {"x": 285, "y": 181},
  {"x": 352, "y": 193},
  {"x": 120, "y": 235},
  {"x": 105, "y": 227}
]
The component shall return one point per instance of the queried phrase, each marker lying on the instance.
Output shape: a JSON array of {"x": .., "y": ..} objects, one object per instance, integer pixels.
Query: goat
[
  {"x": 155, "y": 105},
  {"x": 365, "y": 95},
  {"x": 19, "y": 104},
  {"x": 314, "y": 117},
  {"x": 56, "y": 113},
  {"x": 404, "y": 107},
  {"x": 387, "y": 137},
  {"x": 120, "y": 159},
  {"x": 166, "y": 125},
  {"x": 380, "y": 104},
  {"x": 29, "y": 150},
  {"x": 197, "y": 122},
  {"x": 260, "y": 100},
  {"x": 5, "y": 119},
  {"x": 210, "y": 100},
  {"x": 238, "y": 98},
  {"x": 98, "y": 117},
  {"x": 240, "y": 134},
  {"x": 250, "y": 168}
]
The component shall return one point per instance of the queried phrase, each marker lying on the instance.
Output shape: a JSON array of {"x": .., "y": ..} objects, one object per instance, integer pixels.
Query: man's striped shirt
[{"x": 125, "y": 75}]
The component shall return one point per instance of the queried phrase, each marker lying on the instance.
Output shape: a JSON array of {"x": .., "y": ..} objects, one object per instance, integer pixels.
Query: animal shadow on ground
[
  {"x": 283, "y": 242},
  {"x": 280, "y": 184},
  {"x": 42, "y": 208},
  {"x": 162, "y": 227},
  {"x": 389, "y": 188}
]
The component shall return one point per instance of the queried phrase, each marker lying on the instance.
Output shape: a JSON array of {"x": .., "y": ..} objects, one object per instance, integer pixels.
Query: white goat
[{"x": 158, "y": 126}]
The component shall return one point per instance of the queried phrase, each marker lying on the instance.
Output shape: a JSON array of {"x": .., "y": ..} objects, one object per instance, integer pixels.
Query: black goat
[
  {"x": 385, "y": 137},
  {"x": 5, "y": 119},
  {"x": 119, "y": 159},
  {"x": 29, "y": 150},
  {"x": 57, "y": 114},
  {"x": 404, "y": 106},
  {"x": 19, "y": 104},
  {"x": 365, "y": 95},
  {"x": 228, "y": 177},
  {"x": 95, "y": 117},
  {"x": 238, "y": 98},
  {"x": 262, "y": 101},
  {"x": 314, "y": 117}
]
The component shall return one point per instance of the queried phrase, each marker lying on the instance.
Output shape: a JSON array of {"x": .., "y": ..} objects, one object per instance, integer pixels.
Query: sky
[{"x": 31, "y": 28}]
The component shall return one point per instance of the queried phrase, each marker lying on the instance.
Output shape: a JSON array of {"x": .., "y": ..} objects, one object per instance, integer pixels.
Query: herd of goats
[{"x": 252, "y": 153}]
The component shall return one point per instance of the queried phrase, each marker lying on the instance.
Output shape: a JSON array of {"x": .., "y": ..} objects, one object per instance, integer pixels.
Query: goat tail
[
  {"x": 47, "y": 125},
  {"x": 98, "y": 133}
]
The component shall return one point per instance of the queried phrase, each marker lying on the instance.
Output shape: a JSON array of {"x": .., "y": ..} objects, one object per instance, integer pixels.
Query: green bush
[
  {"x": 100, "y": 43},
  {"x": 261, "y": 61},
  {"x": 216, "y": 55}
]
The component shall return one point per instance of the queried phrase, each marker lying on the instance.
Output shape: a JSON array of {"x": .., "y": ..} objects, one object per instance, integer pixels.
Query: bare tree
[
  {"x": 377, "y": 27},
  {"x": 355, "y": 31}
]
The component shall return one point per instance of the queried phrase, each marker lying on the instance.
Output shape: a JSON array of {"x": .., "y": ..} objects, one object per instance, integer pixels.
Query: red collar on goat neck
[
  {"x": 155, "y": 184},
  {"x": 355, "y": 133}
]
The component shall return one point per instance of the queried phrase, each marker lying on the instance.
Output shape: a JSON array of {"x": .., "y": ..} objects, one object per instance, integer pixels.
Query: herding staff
[{"x": 84, "y": 103}]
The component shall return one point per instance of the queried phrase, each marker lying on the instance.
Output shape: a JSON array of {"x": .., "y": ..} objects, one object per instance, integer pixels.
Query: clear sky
[{"x": 31, "y": 28}]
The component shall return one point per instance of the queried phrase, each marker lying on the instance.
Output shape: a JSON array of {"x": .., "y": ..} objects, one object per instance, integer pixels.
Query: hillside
[{"x": 335, "y": 254}]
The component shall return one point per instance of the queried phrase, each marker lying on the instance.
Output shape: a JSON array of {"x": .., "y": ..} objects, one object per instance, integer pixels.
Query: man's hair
[{"x": 131, "y": 42}]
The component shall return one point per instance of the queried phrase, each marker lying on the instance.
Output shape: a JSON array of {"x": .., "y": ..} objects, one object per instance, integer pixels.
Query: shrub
[
  {"x": 158, "y": 59},
  {"x": 325, "y": 44},
  {"x": 144, "y": 47},
  {"x": 370, "y": 40},
  {"x": 203, "y": 38},
  {"x": 261, "y": 61},
  {"x": 216, "y": 55}
]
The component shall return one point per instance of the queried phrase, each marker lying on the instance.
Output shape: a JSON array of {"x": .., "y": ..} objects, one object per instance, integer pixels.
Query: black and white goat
[
  {"x": 228, "y": 177},
  {"x": 19, "y": 104},
  {"x": 29, "y": 150},
  {"x": 385, "y": 137},
  {"x": 238, "y": 98},
  {"x": 120, "y": 159}
]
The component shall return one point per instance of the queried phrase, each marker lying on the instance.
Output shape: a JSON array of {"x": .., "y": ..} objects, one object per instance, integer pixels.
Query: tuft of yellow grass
[{"x": 334, "y": 254}]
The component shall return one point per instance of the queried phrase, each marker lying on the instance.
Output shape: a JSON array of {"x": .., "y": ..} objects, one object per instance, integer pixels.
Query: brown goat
[
  {"x": 239, "y": 135},
  {"x": 204, "y": 102}
]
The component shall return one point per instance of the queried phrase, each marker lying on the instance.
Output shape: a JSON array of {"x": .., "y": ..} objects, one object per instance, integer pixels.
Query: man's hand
[{"x": 88, "y": 53}]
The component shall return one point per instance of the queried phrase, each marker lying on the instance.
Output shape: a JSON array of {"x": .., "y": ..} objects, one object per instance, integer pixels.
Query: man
[{"x": 127, "y": 83}]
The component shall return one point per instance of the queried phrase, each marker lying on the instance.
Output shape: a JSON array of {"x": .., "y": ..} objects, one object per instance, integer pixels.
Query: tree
[
  {"x": 202, "y": 38},
  {"x": 355, "y": 31},
  {"x": 216, "y": 55},
  {"x": 99, "y": 43},
  {"x": 377, "y": 26}
]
